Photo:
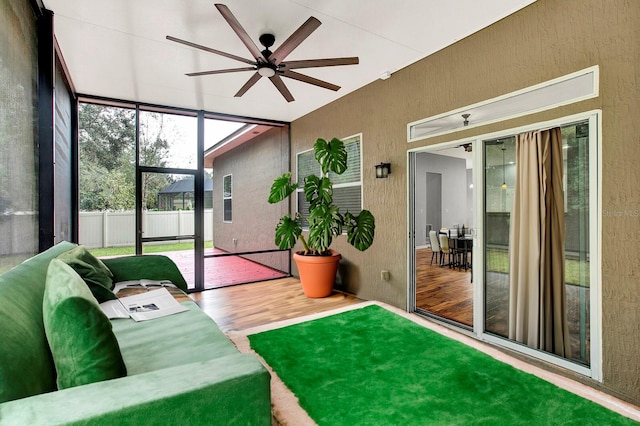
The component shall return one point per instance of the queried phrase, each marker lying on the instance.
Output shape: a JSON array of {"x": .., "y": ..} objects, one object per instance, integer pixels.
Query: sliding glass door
[
  {"x": 533, "y": 282},
  {"x": 502, "y": 165}
]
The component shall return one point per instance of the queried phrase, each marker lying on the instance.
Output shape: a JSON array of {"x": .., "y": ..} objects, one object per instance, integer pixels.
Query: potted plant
[{"x": 317, "y": 263}]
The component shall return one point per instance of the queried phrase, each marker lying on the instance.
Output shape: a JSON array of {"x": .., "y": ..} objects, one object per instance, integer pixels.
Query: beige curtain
[{"x": 537, "y": 299}]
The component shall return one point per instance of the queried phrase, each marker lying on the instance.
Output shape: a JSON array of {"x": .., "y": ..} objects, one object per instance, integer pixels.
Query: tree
[
  {"x": 106, "y": 135},
  {"x": 154, "y": 151},
  {"x": 107, "y": 157}
]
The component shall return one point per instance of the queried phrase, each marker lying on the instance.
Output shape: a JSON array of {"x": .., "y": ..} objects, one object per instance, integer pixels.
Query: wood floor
[
  {"x": 440, "y": 290},
  {"x": 250, "y": 305},
  {"x": 448, "y": 293},
  {"x": 443, "y": 291}
]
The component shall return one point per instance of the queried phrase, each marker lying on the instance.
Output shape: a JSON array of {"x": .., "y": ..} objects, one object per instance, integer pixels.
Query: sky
[{"x": 182, "y": 131}]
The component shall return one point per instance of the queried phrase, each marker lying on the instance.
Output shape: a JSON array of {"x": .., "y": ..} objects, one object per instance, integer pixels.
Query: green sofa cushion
[
  {"x": 80, "y": 335},
  {"x": 189, "y": 336},
  {"x": 149, "y": 266},
  {"x": 95, "y": 273},
  {"x": 26, "y": 367}
]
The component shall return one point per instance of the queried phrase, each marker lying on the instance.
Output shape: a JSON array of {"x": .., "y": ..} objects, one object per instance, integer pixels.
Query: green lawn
[
  {"x": 155, "y": 248},
  {"x": 498, "y": 261}
]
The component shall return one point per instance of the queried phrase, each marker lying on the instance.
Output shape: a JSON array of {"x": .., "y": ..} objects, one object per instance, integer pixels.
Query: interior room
[{"x": 465, "y": 165}]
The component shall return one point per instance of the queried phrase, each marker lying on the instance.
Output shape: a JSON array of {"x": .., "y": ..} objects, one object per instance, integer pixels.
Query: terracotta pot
[{"x": 317, "y": 273}]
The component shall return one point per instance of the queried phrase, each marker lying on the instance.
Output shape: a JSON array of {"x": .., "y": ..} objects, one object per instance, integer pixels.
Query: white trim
[
  {"x": 477, "y": 254},
  {"x": 477, "y": 107},
  {"x": 225, "y": 197},
  {"x": 595, "y": 249},
  {"x": 410, "y": 305},
  {"x": 594, "y": 118},
  {"x": 443, "y": 145}
]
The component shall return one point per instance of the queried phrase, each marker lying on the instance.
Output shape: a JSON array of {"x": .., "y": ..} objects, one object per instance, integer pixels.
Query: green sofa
[{"x": 180, "y": 369}]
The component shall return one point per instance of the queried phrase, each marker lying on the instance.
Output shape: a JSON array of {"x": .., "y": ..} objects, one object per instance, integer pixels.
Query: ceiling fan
[{"x": 267, "y": 63}]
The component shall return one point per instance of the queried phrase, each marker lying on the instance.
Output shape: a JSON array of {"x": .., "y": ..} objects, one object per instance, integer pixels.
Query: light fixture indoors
[
  {"x": 504, "y": 181},
  {"x": 383, "y": 170},
  {"x": 266, "y": 71}
]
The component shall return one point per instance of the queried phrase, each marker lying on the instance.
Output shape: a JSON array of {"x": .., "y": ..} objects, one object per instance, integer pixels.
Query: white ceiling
[{"x": 117, "y": 48}]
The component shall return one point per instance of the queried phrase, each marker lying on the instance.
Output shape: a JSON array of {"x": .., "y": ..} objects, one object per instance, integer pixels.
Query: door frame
[
  {"x": 198, "y": 178},
  {"x": 411, "y": 231},
  {"x": 594, "y": 117}
]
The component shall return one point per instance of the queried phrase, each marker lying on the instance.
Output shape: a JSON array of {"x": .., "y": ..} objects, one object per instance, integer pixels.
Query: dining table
[{"x": 461, "y": 246}]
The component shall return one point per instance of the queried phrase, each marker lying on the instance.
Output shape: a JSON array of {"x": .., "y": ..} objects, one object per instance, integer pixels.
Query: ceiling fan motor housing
[
  {"x": 266, "y": 68},
  {"x": 267, "y": 40}
]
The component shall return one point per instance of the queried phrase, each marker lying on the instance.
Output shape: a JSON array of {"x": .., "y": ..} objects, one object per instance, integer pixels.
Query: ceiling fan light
[{"x": 266, "y": 72}]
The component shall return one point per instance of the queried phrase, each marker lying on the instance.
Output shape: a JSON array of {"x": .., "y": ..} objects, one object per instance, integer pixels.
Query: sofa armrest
[
  {"x": 153, "y": 267},
  {"x": 231, "y": 390}
]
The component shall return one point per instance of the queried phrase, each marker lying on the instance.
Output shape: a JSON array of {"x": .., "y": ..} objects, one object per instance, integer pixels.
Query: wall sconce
[{"x": 383, "y": 170}]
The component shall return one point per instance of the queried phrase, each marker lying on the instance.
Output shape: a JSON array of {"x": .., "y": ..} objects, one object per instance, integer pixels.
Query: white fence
[{"x": 112, "y": 229}]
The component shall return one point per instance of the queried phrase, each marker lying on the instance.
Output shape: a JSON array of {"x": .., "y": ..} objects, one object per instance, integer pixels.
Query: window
[
  {"x": 547, "y": 95},
  {"x": 227, "y": 189},
  {"x": 347, "y": 188}
]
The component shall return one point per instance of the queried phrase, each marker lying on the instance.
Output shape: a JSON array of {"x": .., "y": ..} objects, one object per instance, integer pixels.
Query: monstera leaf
[
  {"x": 287, "y": 232},
  {"x": 281, "y": 188},
  {"x": 360, "y": 229},
  {"x": 332, "y": 155},
  {"x": 325, "y": 222},
  {"x": 318, "y": 191}
]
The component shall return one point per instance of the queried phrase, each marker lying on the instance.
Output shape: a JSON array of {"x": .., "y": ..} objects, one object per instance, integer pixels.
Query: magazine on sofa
[
  {"x": 144, "y": 306},
  {"x": 145, "y": 283}
]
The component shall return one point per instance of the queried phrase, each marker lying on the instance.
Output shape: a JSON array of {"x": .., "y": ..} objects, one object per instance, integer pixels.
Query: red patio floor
[{"x": 222, "y": 271}]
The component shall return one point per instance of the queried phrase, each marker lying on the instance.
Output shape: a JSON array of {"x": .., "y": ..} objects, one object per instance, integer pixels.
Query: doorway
[
  {"x": 497, "y": 302},
  {"x": 443, "y": 211}
]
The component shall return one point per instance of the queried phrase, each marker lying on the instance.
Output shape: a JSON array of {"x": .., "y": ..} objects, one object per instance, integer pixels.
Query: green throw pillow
[
  {"x": 80, "y": 336},
  {"x": 95, "y": 273}
]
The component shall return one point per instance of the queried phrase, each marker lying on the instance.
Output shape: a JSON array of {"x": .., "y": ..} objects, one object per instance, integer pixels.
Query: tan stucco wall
[
  {"x": 546, "y": 40},
  {"x": 253, "y": 166}
]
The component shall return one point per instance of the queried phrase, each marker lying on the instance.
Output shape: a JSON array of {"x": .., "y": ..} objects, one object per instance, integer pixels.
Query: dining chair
[
  {"x": 435, "y": 245},
  {"x": 444, "y": 249}
]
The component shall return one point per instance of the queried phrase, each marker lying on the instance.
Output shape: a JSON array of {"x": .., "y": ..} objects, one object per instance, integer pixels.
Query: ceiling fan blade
[
  {"x": 294, "y": 40},
  {"x": 311, "y": 80},
  {"x": 253, "y": 80},
  {"x": 311, "y": 63},
  {"x": 277, "y": 81},
  {"x": 239, "y": 30},
  {"x": 196, "y": 74},
  {"x": 210, "y": 50}
]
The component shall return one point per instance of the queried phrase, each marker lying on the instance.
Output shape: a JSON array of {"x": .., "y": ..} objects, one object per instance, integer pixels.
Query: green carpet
[{"x": 370, "y": 366}]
